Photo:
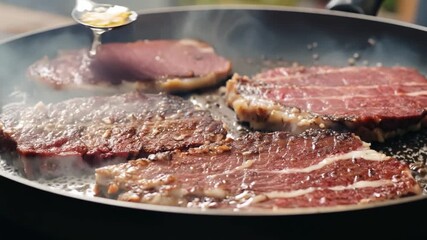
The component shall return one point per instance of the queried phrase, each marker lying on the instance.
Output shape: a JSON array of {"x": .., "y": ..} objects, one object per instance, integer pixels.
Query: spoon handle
[{"x": 97, "y": 33}]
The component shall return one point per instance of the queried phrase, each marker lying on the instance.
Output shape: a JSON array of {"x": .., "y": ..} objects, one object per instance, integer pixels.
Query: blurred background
[{"x": 20, "y": 16}]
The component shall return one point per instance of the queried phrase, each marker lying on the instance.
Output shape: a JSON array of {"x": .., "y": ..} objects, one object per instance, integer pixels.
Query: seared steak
[
  {"x": 374, "y": 102},
  {"x": 75, "y": 133},
  {"x": 167, "y": 65},
  {"x": 263, "y": 170}
]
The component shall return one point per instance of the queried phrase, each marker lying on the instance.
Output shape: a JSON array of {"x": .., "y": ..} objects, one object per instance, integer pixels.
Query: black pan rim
[
  {"x": 210, "y": 212},
  {"x": 249, "y": 7}
]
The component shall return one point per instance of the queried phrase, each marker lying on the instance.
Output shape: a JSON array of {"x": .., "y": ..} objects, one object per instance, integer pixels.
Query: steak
[
  {"x": 166, "y": 65},
  {"x": 318, "y": 168},
  {"x": 83, "y": 132},
  {"x": 374, "y": 102}
]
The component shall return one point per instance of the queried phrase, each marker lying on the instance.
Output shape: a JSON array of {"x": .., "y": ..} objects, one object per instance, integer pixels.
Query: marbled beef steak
[
  {"x": 317, "y": 168},
  {"x": 374, "y": 102},
  {"x": 166, "y": 65}
]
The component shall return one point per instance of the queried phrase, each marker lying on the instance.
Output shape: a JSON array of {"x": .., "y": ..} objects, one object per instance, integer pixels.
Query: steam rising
[{"x": 17, "y": 55}]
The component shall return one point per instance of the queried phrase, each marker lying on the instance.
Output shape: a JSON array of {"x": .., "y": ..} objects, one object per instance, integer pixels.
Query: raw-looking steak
[
  {"x": 374, "y": 102},
  {"x": 166, "y": 65},
  {"x": 71, "y": 135},
  {"x": 318, "y": 168}
]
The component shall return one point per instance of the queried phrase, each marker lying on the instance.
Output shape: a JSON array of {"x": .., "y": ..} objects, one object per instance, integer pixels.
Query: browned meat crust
[{"x": 54, "y": 139}]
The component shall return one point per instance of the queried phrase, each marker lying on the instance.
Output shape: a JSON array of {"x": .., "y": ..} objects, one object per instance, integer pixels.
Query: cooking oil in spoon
[{"x": 101, "y": 18}]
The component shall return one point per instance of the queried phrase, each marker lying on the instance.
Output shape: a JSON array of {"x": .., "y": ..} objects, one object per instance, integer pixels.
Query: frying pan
[{"x": 252, "y": 37}]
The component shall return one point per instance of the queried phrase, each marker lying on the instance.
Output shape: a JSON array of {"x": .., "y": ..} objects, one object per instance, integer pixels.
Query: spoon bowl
[
  {"x": 100, "y": 15},
  {"x": 101, "y": 18}
]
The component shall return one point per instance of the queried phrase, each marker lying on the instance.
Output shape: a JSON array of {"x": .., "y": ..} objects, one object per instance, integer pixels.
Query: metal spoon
[{"x": 101, "y": 18}]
